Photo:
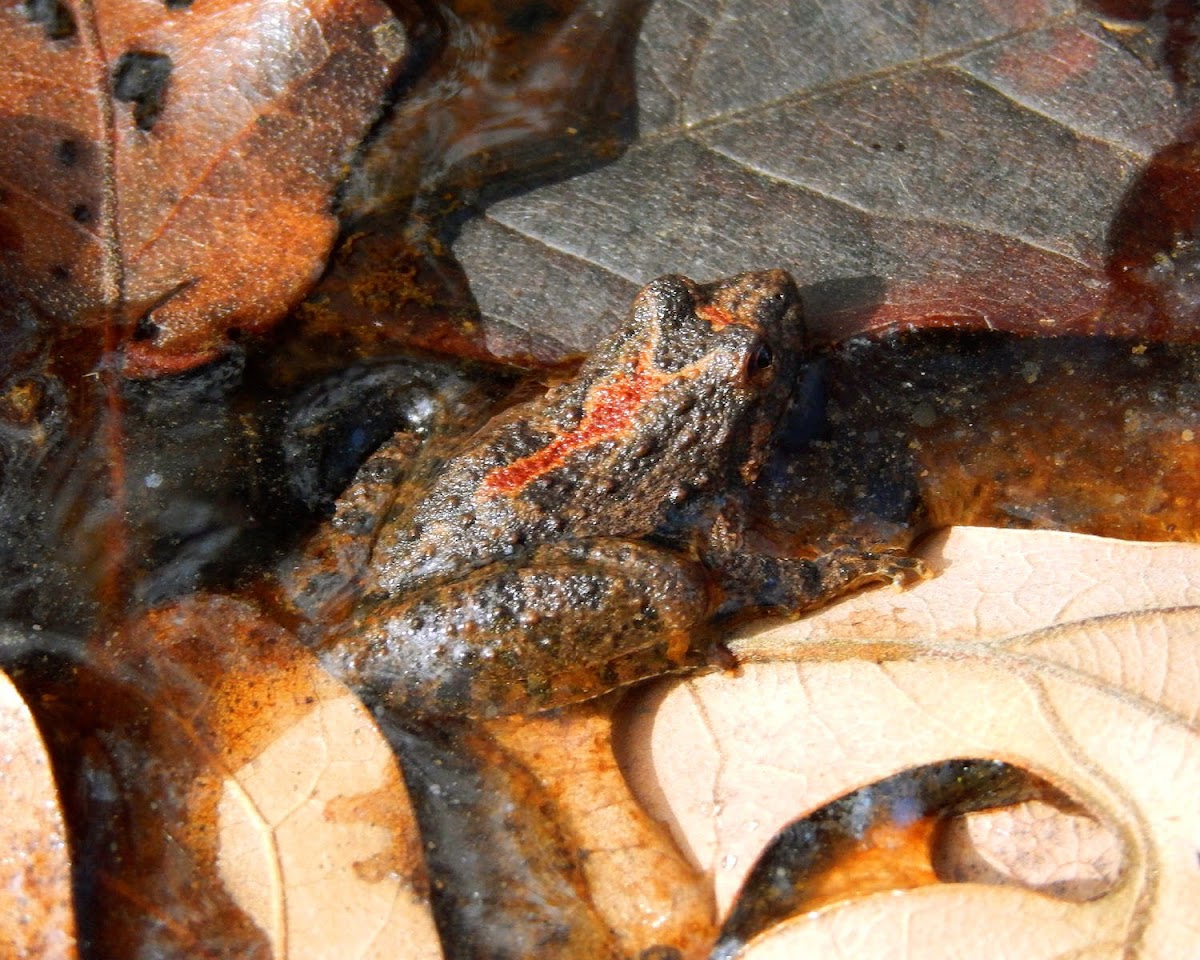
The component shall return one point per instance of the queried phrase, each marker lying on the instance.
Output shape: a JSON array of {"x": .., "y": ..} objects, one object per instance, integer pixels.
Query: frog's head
[
  {"x": 685, "y": 322},
  {"x": 727, "y": 353}
]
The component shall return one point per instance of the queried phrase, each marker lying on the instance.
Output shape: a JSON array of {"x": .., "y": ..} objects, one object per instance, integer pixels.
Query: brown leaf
[
  {"x": 36, "y": 917},
  {"x": 173, "y": 167},
  {"x": 228, "y": 797},
  {"x": 1049, "y": 651}
]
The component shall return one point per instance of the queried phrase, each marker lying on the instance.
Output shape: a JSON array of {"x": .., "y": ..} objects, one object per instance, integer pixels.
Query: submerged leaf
[{"x": 909, "y": 169}]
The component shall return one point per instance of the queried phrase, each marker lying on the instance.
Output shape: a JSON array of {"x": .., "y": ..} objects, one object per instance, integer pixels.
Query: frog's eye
[{"x": 760, "y": 359}]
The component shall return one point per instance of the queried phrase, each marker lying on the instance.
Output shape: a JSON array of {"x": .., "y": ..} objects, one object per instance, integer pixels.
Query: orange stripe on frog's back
[{"x": 611, "y": 408}]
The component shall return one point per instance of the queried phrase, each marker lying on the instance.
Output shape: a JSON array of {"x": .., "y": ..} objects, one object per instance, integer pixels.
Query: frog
[{"x": 591, "y": 536}]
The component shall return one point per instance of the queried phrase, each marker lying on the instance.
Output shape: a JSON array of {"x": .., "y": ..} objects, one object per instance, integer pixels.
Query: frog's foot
[
  {"x": 790, "y": 586},
  {"x": 848, "y": 568},
  {"x": 321, "y": 582}
]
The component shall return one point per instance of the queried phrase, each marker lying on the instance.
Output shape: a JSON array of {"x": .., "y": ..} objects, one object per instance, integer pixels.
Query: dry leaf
[
  {"x": 36, "y": 916},
  {"x": 1070, "y": 656}
]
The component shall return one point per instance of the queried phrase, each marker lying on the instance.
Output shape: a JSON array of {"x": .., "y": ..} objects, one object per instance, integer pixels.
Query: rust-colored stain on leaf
[
  {"x": 621, "y": 849},
  {"x": 889, "y": 857},
  {"x": 218, "y": 797}
]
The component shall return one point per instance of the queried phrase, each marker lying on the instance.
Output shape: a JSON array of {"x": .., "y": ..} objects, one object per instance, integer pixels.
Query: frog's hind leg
[{"x": 568, "y": 623}]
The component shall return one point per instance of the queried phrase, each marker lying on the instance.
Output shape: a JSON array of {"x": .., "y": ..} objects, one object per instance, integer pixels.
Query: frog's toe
[{"x": 902, "y": 570}]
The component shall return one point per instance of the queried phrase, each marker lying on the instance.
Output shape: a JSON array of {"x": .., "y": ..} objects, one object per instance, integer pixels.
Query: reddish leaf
[{"x": 169, "y": 170}]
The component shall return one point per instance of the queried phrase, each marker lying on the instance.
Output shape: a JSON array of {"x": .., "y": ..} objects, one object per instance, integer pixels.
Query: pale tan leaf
[
  {"x": 1150, "y": 653},
  {"x": 1072, "y": 657},
  {"x": 942, "y": 923},
  {"x": 317, "y": 839},
  {"x": 1071, "y": 856},
  {"x": 36, "y": 919}
]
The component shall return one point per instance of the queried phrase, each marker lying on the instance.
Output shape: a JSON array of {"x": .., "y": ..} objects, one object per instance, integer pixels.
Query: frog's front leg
[
  {"x": 566, "y": 623},
  {"x": 320, "y": 583}
]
